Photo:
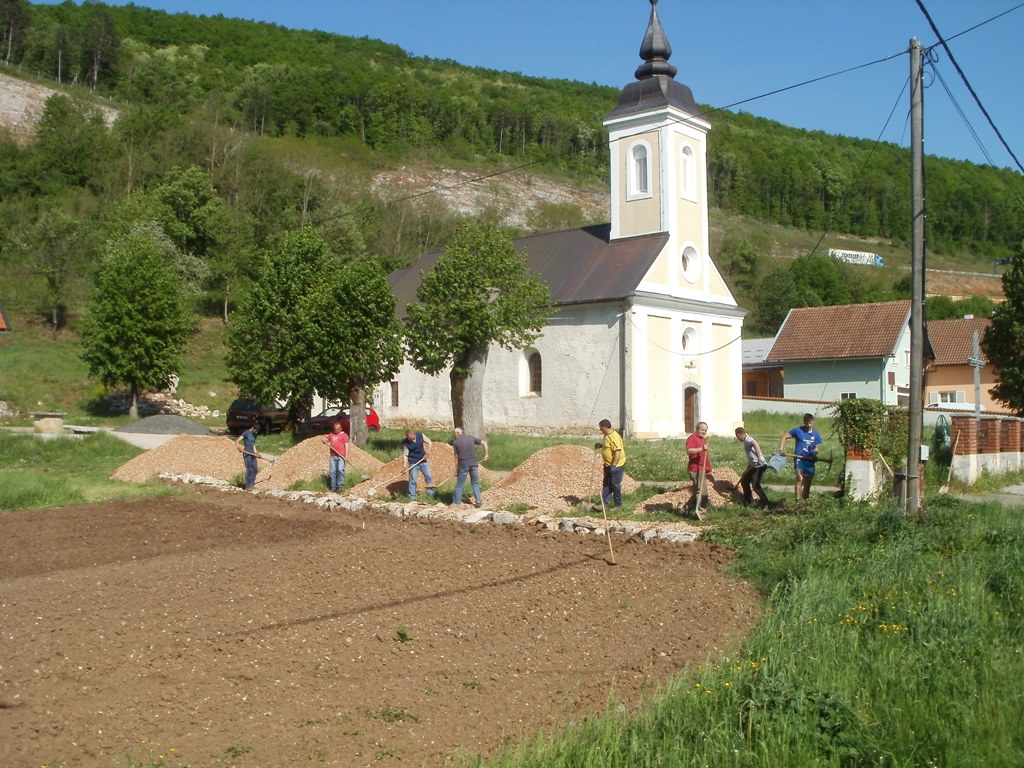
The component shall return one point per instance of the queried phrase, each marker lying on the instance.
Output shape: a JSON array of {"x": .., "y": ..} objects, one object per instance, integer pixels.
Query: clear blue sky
[{"x": 727, "y": 51}]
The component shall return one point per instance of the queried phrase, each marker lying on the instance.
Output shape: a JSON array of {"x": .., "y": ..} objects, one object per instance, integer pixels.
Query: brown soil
[{"x": 231, "y": 629}]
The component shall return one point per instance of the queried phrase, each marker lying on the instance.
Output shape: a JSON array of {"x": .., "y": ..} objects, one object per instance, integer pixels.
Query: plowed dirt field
[{"x": 229, "y": 629}]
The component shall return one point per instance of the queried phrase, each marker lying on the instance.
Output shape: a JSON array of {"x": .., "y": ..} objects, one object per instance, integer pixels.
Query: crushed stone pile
[
  {"x": 720, "y": 494},
  {"x": 553, "y": 480},
  {"x": 164, "y": 424},
  {"x": 186, "y": 454},
  {"x": 309, "y": 460},
  {"x": 391, "y": 481}
]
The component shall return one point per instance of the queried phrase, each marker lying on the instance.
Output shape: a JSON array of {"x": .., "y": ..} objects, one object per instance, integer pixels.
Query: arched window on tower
[
  {"x": 639, "y": 171},
  {"x": 687, "y": 173}
]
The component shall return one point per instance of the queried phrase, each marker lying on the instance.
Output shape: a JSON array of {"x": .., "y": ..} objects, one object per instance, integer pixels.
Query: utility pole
[
  {"x": 917, "y": 277},
  {"x": 977, "y": 364}
]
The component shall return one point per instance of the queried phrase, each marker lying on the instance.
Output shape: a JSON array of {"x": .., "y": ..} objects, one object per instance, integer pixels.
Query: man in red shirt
[
  {"x": 338, "y": 441},
  {"x": 699, "y": 465}
]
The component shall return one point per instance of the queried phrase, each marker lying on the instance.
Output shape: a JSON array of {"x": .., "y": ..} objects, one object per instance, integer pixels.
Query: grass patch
[
  {"x": 881, "y": 632},
  {"x": 36, "y": 472}
]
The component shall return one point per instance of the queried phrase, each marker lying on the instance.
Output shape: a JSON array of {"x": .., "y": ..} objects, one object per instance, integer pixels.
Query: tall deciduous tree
[
  {"x": 271, "y": 345},
  {"x": 315, "y": 326},
  {"x": 57, "y": 246},
  {"x": 138, "y": 323},
  {"x": 352, "y": 317},
  {"x": 1003, "y": 343},
  {"x": 478, "y": 293},
  {"x": 13, "y": 25}
]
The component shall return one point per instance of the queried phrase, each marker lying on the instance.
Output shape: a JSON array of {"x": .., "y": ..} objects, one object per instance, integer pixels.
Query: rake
[{"x": 376, "y": 487}]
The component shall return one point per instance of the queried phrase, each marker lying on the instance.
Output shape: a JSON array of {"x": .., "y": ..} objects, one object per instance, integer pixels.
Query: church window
[
  {"x": 531, "y": 378},
  {"x": 535, "y": 372},
  {"x": 688, "y": 173},
  {"x": 639, "y": 171},
  {"x": 690, "y": 263}
]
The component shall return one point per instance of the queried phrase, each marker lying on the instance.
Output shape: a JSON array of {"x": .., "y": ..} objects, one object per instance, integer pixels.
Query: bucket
[{"x": 777, "y": 462}]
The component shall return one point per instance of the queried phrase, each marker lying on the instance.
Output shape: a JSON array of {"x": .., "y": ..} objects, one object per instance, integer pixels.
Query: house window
[
  {"x": 687, "y": 173},
  {"x": 891, "y": 378},
  {"x": 752, "y": 388},
  {"x": 639, "y": 173},
  {"x": 848, "y": 396},
  {"x": 394, "y": 394},
  {"x": 533, "y": 361},
  {"x": 690, "y": 263},
  {"x": 953, "y": 396}
]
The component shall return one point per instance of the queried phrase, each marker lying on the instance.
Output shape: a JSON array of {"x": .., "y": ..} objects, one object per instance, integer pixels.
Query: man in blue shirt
[
  {"x": 808, "y": 441},
  {"x": 246, "y": 443},
  {"x": 415, "y": 448}
]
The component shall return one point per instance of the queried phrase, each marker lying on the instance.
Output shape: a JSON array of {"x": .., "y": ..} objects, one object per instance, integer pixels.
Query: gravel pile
[
  {"x": 309, "y": 460},
  {"x": 720, "y": 493},
  {"x": 164, "y": 424},
  {"x": 186, "y": 454},
  {"x": 390, "y": 479},
  {"x": 553, "y": 480},
  {"x": 218, "y": 457}
]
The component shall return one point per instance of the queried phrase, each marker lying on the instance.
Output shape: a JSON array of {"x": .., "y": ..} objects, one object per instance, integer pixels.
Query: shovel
[
  {"x": 701, "y": 477},
  {"x": 949, "y": 475},
  {"x": 374, "y": 488}
]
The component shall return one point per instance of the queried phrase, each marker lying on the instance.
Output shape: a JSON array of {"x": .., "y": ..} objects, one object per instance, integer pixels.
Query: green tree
[
  {"x": 315, "y": 326},
  {"x": 57, "y": 246},
  {"x": 100, "y": 42},
  {"x": 352, "y": 320},
  {"x": 73, "y": 146},
  {"x": 740, "y": 262},
  {"x": 478, "y": 293},
  {"x": 138, "y": 324},
  {"x": 13, "y": 26},
  {"x": 273, "y": 350},
  {"x": 1003, "y": 343}
]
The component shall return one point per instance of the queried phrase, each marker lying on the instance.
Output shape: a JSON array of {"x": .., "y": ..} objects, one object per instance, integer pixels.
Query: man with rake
[
  {"x": 699, "y": 466},
  {"x": 338, "y": 442}
]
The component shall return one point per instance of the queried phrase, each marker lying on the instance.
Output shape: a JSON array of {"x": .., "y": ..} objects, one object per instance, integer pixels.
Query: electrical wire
[{"x": 970, "y": 88}]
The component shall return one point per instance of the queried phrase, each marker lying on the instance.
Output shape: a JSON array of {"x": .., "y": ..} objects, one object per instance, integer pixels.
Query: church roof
[{"x": 578, "y": 265}]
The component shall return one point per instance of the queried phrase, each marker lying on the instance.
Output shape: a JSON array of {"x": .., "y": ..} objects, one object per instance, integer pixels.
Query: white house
[{"x": 646, "y": 333}]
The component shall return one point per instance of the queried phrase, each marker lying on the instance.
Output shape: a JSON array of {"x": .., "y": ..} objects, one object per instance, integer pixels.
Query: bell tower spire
[
  {"x": 657, "y": 137},
  {"x": 655, "y": 49}
]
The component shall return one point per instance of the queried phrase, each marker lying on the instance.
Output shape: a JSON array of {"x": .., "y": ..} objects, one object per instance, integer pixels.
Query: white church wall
[{"x": 581, "y": 363}]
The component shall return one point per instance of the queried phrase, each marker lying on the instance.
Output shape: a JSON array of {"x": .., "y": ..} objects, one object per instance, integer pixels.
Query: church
[{"x": 645, "y": 331}]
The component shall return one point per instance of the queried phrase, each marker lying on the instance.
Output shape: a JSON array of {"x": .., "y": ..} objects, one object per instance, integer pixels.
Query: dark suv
[{"x": 245, "y": 412}]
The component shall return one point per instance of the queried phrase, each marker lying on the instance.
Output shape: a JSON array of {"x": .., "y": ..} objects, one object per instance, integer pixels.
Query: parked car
[
  {"x": 324, "y": 420},
  {"x": 244, "y": 412}
]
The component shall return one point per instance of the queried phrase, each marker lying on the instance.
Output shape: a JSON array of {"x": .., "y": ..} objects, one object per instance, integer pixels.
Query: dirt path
[{"x": 233, "y": 630}]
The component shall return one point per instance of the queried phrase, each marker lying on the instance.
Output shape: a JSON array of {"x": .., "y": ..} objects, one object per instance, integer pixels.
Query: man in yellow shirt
[{"x": 613, "y": 453}]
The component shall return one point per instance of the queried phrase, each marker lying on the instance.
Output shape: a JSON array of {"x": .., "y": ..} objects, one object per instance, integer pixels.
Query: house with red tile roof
[
  {"x": 949, "y": 379},
  {"x": 645, "y": 331},
  {"x": 849, "y": 350}
]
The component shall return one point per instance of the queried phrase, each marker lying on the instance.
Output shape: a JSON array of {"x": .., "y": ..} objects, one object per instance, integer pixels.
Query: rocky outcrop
[{"x": 22, "y": 103}]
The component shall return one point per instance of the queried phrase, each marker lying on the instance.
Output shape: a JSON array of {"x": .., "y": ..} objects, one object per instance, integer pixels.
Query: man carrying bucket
[{"x": 750, "y": 481}]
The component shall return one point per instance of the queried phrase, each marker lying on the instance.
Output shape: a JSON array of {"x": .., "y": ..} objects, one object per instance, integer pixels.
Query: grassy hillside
[{"x": 43, "y": 371}]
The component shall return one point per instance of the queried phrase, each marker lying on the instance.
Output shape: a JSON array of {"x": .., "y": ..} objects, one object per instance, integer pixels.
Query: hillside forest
[{"x": 230, "y": 134}]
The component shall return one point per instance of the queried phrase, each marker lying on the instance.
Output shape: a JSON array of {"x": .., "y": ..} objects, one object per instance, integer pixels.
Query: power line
[{"x": 967, "y": 83}]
